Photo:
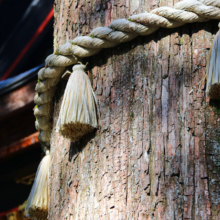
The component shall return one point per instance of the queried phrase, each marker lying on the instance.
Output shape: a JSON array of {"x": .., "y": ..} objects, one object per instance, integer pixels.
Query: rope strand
[{"x": 119, "y": 31}]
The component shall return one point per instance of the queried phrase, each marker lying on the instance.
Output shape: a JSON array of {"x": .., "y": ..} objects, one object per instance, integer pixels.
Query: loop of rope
[{"x": 119, "y": 31}]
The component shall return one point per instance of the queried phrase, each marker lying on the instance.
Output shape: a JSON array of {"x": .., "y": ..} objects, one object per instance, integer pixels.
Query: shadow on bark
[
  {"x": 78, "y": 146},
  {"x": 215, "y": 103}
]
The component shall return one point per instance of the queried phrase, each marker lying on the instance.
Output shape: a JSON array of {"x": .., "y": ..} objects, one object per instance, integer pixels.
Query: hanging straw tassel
[
  {"x": 78, "y": 110},
  {"x": 213, "y": 70},
  {"x": 37, "y": 204}
]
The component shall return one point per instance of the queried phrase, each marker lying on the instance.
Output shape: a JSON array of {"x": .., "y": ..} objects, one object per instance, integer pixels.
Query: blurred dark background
[{"x": 26, "y": 39}]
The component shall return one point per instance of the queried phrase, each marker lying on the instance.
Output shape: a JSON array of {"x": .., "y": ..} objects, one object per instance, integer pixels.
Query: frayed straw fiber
[
  {"x": 37, "y": 204},
  {"x": 78, "y": 110}
]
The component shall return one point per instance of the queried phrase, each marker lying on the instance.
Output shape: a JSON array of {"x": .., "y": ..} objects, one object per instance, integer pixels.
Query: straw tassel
[
  {"x": 37, "y": 204},
  {"x": 213, "y": 70},
  {"x": 78, "y": 110}
]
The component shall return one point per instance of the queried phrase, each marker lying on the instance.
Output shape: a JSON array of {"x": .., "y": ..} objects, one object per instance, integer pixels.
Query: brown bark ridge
[{"x": 156, "y": 154}]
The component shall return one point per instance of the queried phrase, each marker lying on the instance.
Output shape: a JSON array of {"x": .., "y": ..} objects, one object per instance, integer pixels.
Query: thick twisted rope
[{"x": 119, "y": 31}]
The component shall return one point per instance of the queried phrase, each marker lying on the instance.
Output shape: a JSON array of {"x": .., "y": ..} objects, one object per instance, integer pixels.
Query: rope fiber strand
[{"x": 119, "y": 31}]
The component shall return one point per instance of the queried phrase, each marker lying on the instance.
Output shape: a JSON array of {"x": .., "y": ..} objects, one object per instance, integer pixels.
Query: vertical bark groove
[{"x": 156, "y": 155}]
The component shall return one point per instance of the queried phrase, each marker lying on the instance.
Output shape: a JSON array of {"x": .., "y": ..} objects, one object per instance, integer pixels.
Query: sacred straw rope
[{"x": 119, "y": 31}]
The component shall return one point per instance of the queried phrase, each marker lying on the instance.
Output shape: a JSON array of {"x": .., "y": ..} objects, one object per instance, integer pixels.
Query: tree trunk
[{"x": 156, "y": 154}]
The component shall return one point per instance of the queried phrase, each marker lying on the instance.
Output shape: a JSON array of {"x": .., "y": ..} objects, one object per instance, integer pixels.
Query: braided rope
[{"x": 119, "y": 31}]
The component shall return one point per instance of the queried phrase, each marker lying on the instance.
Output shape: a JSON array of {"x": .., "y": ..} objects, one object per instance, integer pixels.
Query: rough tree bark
[{"x": 157, "y": 154}]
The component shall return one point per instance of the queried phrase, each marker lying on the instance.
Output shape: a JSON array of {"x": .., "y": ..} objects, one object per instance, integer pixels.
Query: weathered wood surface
[{"x": 157, "y": 154}]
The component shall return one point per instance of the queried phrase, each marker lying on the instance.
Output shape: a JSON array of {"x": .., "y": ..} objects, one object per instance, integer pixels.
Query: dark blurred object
[
  {"x": 26, "y": 39},
  {"x": 16, "y": 213},
  {"x": 20, "y": 151},
  {"x": 27, "y": 35},
  {"x": 14, "y": 216},
  {"x": 14, "y": 82}
]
